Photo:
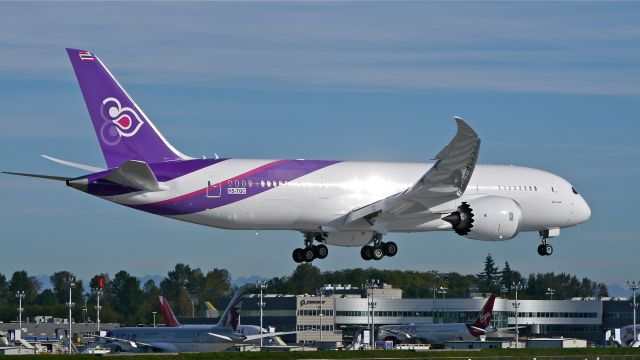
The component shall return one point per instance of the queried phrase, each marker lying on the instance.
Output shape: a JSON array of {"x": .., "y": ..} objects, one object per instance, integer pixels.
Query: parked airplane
[
  {"x": 170, "y": 320},
  {"x": 185, "y": 338},
  {"x": 624, "y": 337},
  {"x": 439, "y": 333},
  {"x": 343, "y": 203}
]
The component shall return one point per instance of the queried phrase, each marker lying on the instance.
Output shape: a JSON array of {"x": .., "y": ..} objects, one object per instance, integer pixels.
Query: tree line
[
  {"x": 307, "y": 278},
  {"x": 123, "y": 298},
  {"x": 128, "y": 301}
]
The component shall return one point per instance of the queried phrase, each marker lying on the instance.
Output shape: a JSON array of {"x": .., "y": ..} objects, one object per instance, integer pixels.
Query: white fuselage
[
  {"x": 327, "y": 195},
  {"x": 427, "y": 333},
  {"x": 174, "y": 339}
]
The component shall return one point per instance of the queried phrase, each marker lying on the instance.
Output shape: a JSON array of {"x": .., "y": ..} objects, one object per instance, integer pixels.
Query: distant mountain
[
  {"x": 156, "y": 279},
  {"x": 45, "y": 282},
  {"x": 247, "y": 280},
  {"x": 616, "y": 290}
]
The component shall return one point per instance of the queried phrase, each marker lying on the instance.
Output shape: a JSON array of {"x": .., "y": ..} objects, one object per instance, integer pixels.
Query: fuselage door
[{"x": 214, "y": 187}]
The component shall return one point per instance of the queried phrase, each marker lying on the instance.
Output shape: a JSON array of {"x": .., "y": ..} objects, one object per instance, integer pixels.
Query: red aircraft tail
[
  {"x": 170, "y": 319},
  {"x": 484, "y": 318}
]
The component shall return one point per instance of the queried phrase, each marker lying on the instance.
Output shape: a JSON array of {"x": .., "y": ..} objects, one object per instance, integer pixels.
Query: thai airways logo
[{"x": 120, "y": 121}]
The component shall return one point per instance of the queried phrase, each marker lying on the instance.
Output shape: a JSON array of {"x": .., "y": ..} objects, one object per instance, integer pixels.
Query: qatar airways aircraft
[{"x": 342, "y": 203}]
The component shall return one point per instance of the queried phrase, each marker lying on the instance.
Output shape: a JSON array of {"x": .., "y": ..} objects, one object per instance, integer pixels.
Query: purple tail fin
[{"x": 123, "y": 130}]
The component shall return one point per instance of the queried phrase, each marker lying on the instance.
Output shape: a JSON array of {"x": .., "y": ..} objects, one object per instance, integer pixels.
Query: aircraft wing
[
  {"x": 398, "y": 332},
  {"x": 446, "y": 180},
  {"x": 132, "y": 343},
  {"x": 268, "y": 335},
  {"x": 454, "y": 165}
]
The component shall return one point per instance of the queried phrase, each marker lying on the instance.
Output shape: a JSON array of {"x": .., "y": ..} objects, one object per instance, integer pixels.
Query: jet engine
[{"x": 489, "y": 218}]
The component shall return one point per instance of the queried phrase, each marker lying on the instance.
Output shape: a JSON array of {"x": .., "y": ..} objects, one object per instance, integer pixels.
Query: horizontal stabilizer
[
  {"x": 72, "y": 164},
  {"x": 135, "y": 174},
  {"x": 49, "y": 177}
]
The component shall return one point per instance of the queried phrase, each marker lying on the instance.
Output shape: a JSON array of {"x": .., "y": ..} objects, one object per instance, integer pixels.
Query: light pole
[
  {"x": 20, "y": 295},
  {"x": 550, "y": 292},
  {"x": 98, "y": 292},
  {"x": 321, "y": 292},
  {"x": 516, "y": 286},
  {"x": 194, "y": 302},
  {"x": 261, "y": 284},
  {"x": 154, "y": 318},
  {"x": 503, "y": 290},
  {"x": 633, "y": 286},
  {"x": 84, "y": 310},
  {"x": 72, "y": 282},
  {"x": 372, "y": 284}
]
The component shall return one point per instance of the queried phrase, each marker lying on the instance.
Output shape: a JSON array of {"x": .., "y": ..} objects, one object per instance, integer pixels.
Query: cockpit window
[{"x": 574, "y": 190}]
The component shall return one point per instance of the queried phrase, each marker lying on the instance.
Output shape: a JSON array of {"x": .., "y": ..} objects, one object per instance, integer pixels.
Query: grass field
[{"x": 510, "y": 354}]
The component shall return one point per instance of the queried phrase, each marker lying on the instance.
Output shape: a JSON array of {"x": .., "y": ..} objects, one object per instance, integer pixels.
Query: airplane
[
  {"x": 331, "y": 202},
  {"x": 211, "y": 310},
  {"x": 625, "y": 337},
  {"x": 439, "y": 333},
  {"x": 170, "y": 320},
  {"x": 178, "y": 338}
]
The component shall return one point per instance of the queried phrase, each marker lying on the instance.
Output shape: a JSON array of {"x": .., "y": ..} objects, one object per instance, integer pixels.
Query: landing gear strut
[
  {"x": 311, "y": 252},
  {"x": 379, "y": 249},
  {"x": 544, "y": 249}
]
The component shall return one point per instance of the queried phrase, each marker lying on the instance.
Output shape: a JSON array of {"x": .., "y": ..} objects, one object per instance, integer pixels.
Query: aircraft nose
[{"x": 582, "y": 211}]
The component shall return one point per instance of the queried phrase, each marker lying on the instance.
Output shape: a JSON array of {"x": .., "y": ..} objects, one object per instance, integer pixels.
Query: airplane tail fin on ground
[
  {"x": 170, "y": 319},
  {"x": 485, "y": 316},
  {"x": 123, "y": 130},
  {"x": 231, "y": 315},
  {"x": 213, "y": 312}
]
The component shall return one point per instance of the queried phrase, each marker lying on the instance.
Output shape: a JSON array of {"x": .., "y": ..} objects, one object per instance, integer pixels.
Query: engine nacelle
[{"x": 490, "y": 218}]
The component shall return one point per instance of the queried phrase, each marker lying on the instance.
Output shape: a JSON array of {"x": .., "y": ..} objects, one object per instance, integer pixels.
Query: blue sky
[{"x": 548, "y": 85}]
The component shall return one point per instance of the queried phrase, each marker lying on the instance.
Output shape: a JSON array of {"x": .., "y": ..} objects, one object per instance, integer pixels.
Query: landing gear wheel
[
  {"x": 321, "y": 251},
  {"x": 377, "y": 253},
  {"x": 366, "y": 252},
  {"x": 541, "y": 249},
  {"x": 298, "y": 255},
  {"x": 547, "y": 249},
  {"x": 390, "y": 248},
  {"x": 308, "y": 254}
]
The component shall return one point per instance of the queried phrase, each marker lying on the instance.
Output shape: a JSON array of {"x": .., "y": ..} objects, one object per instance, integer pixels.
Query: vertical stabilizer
[
  {"x": 484, "y": 318},
  {"x": 231, "y": 315},
  {"x": 123, "y": 130},
  {"x": 170, "y": 319}
]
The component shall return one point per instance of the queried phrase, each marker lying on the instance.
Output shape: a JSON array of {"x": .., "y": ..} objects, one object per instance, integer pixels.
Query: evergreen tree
[
  {"x": 489, "y": 278},
  {"x": 128, "y": 298},
  {"x": 21, "y": 281},
  {"x": 4, "y": 290},
  {"x": 60, "y": 282}
]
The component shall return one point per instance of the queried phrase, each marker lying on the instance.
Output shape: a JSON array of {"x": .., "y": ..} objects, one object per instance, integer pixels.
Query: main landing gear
[
  {"x": 544, "y": 249},
  {"x": 310, "y": 251},
  {"x": 379, "y": 249}
]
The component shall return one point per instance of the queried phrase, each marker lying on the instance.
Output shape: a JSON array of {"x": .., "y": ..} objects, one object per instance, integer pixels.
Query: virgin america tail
[
  {"x": 330, "y": 202},
  {"x": 438, "y": 333}
]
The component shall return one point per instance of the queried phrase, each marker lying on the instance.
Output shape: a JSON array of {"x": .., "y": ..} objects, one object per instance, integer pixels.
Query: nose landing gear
[
  {"x": 310, "y": 252},
  {"x": 546, "y": 249}
]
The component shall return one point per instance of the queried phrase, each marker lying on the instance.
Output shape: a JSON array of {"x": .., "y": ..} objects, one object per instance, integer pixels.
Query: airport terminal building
[{"x": 341, "y": 311}]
